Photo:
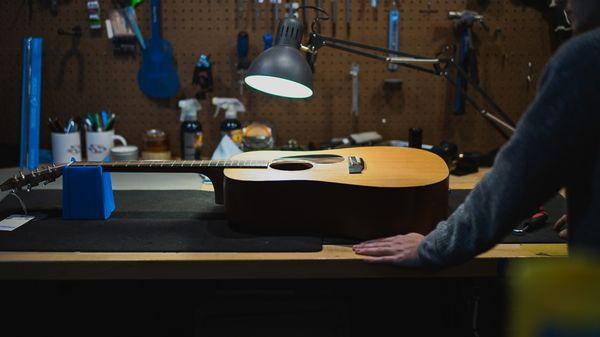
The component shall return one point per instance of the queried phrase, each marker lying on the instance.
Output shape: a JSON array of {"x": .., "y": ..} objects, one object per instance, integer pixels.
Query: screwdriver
[{"x": 333, "y": 16}]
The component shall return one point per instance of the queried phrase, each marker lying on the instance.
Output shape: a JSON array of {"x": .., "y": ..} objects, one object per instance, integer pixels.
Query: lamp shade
[{"x": 281, "y": 71}]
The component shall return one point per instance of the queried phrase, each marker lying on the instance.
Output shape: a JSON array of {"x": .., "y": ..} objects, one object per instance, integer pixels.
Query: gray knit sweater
[{"x": 556, "y": 145}]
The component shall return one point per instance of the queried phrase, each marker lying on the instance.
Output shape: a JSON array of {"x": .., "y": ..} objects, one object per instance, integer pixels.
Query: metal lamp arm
[{"x": 317, "y": 41}]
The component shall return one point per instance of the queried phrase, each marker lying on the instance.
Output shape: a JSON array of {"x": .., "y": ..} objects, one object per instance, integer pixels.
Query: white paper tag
[{"x": 14, "y": 221}]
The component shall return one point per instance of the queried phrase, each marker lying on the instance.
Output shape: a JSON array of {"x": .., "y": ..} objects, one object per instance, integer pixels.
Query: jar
[{"x": 156, "y": 145}]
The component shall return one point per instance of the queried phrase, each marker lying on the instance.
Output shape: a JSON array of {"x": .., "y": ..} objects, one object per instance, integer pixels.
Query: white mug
[
  {"x": 66, "y": 147},
  {"x": 98, "y": 144}
]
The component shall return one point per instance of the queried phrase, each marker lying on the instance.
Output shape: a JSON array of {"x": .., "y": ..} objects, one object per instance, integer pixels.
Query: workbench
[{"x": 333, "y": 262}]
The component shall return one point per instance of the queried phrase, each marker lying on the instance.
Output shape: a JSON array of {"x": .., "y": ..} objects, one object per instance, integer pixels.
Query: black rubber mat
[{"x": 146, "y": 221}]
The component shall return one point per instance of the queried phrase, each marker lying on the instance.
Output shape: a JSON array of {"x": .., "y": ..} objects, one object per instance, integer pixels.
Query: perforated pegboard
[{"x": 519, "y": 35}]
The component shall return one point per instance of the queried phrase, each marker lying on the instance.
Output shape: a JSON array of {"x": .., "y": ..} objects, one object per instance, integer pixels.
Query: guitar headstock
[{"x": 32, "y": 179}]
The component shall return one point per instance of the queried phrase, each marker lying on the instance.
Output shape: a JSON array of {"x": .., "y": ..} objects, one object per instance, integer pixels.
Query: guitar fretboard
[{"x": 174, "y": 165}]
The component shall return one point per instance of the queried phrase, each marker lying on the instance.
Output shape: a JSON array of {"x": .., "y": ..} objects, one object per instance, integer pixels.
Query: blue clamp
[
  {"x": 268, "y": 41},
  {"x": 87, "y": 193}
]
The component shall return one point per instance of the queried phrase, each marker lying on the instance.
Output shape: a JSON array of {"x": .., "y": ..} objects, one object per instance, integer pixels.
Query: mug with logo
[
  {"x": 98, "y": 144},
  {"x": 66, "y": 147}
]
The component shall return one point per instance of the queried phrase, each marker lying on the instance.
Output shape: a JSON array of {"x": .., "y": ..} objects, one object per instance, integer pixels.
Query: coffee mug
[
  {"x": 66, "y": 147},
  {"x": 98, "y": 144}
]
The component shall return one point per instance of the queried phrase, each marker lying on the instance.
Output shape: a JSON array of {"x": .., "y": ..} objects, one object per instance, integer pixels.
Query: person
[{"x": 556, "y": 145}]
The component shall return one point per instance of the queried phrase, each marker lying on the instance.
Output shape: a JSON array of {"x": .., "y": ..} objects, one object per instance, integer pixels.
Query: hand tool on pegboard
[
  {"x": 393, "y": 32},
  {"x": 319, "y": 4},
  {"x": 562, "y": 24},
  {"x": 51, "y": 5},
  {"x": 333, "y": 16},
  {"x": 29, "y": 4},
  {"x": 239, "y": 13},
  {"x": 267, "y": 41},
  {"x": 131, "y": 18},
  {"x": 73, "y": 52},
  {"x": 304, "y": 18},
  {"x": 203, "y": 76},
  {"x": 243, "y": 62},
  {"x": 275, "y": 19},
  {"x": 348, "y": 17},
  {"x": 374, "y": 8},
  {"x": 428, "y": 10},
  {"x": 292, "y": 8},
  {"x": 54, "y": 7},
  {"x": 354, "y": 70},
  {"x": 258, "y": 9},
  {"x": 467, "y": 54}
]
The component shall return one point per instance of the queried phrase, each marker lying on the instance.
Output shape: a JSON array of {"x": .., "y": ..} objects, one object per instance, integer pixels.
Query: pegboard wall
[{"x": 519, "y": 34}]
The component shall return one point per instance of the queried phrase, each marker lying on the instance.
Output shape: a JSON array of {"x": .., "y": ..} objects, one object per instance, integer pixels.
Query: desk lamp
[{"x": 283, "y": 70}]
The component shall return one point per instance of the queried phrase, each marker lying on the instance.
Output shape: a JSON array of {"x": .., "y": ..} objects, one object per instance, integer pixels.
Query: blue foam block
[{"x": 87, "y": 193}]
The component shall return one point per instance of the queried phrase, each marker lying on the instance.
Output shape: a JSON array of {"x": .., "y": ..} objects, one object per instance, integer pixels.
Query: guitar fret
[{"x": 150, "y": 165}]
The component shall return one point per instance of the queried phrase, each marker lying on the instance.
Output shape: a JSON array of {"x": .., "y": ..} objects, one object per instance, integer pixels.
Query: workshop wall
[{"x": 518, "y": 35}]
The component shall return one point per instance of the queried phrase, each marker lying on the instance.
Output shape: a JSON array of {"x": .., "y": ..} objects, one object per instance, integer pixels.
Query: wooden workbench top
[{"x": 332, "y": 262}]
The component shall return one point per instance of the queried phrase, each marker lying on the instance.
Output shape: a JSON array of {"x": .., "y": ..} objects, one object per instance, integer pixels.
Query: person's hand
[
  {"x": 559, "y": 227},
  {"x": 399, "y": 250}
]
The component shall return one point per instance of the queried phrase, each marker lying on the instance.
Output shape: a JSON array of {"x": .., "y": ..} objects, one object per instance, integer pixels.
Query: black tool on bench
[{"x": 537, "y": 221}]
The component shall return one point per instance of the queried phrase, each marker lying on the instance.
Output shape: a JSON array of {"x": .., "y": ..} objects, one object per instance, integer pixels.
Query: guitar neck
[{"x": 182, "y": 166}]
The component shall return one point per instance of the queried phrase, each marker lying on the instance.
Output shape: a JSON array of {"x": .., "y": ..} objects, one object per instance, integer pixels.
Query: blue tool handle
[
  {"x": 131, "y": 17},
  {"x": 268, "y": 41},
  {"x": 31, "y": 104},
  {"x": 459, "y": 97},
  {"x": 242, "y": 45},
  {"x": 24, "y": 101},
  {"x": 393, "y": 34},
  {"x": 155, "y": 14}
]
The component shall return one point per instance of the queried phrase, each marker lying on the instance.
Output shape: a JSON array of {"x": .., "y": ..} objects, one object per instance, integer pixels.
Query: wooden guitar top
[{"x": 388, "y": 167}]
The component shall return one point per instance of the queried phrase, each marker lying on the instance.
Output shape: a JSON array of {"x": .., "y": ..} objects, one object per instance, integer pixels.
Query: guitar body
[{"x": 399, "y": 190}]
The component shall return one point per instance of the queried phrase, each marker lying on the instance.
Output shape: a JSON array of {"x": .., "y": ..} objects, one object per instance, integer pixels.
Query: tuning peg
[
  {"x": 21, "y": 175},
  {"x": 28, "y": 188}
]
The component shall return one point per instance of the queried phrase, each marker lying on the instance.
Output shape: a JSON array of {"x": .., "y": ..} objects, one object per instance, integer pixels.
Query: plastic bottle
[
  {"x": 191, "y": 130},
  {"x": 231, "y": 126}
]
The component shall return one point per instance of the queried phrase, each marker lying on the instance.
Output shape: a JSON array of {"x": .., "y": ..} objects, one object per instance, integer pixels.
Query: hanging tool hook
[
  {"x": 75, "y": 33},
  {"x": 317, "y": 19}
]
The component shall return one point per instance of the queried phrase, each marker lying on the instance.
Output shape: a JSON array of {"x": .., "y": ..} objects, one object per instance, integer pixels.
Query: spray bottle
[
  {"x": 191, "y": 130},
  {"x": 231, "y": 126}
]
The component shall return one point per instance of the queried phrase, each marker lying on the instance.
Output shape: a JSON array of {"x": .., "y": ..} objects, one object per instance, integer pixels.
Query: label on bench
[{"x": 14, "y": 221}]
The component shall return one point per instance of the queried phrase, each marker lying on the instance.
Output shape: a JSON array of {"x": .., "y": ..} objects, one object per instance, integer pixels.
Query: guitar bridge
[{"x": 355, "y": 165}]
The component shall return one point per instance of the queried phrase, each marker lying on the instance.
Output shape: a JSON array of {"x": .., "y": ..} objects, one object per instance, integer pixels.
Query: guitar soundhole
[{"x": 291, "y": 165}]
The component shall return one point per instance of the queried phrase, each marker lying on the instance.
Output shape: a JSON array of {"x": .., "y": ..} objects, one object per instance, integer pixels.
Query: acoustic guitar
[{"x": 360, "y": 193}]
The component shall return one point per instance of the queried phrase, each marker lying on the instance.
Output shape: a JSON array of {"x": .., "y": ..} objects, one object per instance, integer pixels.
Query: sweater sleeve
[{"x": 528, "y": 171}]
